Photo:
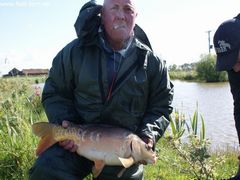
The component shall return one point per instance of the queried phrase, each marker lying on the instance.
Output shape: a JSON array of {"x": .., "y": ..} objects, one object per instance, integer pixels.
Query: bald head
[{"x": 131, "y": 2}]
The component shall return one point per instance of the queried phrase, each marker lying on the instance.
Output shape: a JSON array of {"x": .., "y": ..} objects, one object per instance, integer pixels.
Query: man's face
[
  {"x": 118, "y": 18},
  {"x": 236, "y": 67}
]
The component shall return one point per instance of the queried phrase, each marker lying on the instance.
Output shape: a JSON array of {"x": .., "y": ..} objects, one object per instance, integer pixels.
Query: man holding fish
[{"x": 107, "y": 98}]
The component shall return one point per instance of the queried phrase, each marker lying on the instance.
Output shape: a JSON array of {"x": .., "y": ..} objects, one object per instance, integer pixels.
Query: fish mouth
[{"x": 154, "y": 158}]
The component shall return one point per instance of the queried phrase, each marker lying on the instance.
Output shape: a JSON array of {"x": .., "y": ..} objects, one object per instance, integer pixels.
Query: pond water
[{"x": 214, "y": 101}]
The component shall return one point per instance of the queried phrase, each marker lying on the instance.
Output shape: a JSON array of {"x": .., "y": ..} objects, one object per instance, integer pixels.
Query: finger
[
  {"x": 74, "y": 149},
  {"x": 65, "y": 123},
  {"x": 69, "y": 145},
  {"x": 150, "y": 144},
  {"x": 63, "y": 143}
]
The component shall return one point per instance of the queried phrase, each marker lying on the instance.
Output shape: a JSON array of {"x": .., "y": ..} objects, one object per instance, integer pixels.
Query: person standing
[
  {"x": 227, "y": 46},
  {"x": 108, "y": 75}
]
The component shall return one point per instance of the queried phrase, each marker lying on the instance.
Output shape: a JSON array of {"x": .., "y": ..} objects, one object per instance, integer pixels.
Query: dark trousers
[{"x": 57, "y": 163}]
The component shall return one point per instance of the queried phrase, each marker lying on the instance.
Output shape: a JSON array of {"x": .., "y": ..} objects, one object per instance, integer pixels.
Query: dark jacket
[{"x": 77, "y": 87}]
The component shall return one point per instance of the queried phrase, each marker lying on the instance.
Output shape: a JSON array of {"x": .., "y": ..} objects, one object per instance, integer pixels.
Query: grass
[
  {"x": 171, "y": 167},
  {"x": 19, "y": 108},
  {"x": 184, "y": 75}
]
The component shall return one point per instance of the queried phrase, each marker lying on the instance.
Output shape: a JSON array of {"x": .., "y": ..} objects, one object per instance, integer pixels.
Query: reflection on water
[{"x": 215, "y": 103}]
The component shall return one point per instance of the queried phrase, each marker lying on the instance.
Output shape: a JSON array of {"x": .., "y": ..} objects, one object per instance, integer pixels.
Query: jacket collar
[{"x": 105, "y": 45}]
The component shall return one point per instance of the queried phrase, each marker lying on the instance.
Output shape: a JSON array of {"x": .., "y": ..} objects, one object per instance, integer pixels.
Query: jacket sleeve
[
  {"x": 157, "y": 115},
  {"x": 57, "y": 96}
]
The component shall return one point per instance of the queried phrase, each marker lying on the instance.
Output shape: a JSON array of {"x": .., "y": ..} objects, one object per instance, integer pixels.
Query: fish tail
[{"x": 44, "y": 130}]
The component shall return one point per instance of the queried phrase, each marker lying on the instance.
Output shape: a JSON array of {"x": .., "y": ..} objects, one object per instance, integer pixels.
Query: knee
[
  {"x": 43, "y": 167},
  {"x": 58, "y": 163}
]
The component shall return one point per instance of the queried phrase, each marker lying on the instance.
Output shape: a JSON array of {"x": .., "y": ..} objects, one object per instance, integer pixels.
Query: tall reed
[{"x": 19, "y": 108}]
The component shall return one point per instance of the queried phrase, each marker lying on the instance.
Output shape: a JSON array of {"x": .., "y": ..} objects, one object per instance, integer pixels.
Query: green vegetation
[
  {"x": 203, "y": 70},
  {"x": 183, "y": 75},
  {"x": 19, "y": 108},
  {"x": 172, "y": 166},
  {"x": 206, "y": 70},
  {"x": 183, "y": 153}
]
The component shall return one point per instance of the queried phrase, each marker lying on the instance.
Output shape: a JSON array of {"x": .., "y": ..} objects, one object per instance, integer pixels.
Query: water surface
[{"x": 215, "y": 103}]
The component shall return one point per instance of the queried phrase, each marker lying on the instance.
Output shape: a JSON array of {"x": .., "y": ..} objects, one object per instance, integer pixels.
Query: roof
[{"x": 35, "y": 71}]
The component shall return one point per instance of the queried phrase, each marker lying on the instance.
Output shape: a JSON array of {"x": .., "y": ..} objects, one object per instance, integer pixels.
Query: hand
[
  {"x": 149, "y": 146},
  {"x": 149, "y": 142},
  {"x": 68, "y": 144}
]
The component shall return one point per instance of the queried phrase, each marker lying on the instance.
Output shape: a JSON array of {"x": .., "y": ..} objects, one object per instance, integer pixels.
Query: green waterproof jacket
[{"x": 77, "y": 88}]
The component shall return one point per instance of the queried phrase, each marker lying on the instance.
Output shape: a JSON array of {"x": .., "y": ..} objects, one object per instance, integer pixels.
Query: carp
[{"x": 102, "y": 144}]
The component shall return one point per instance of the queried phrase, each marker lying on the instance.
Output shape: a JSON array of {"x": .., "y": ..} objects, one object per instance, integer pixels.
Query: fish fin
[
  {"x": 97, "y": 168},
  {"x": 43, "y": 130},
  {"x": 44, "y": 144},
  {"x": 126, "y": 162}
]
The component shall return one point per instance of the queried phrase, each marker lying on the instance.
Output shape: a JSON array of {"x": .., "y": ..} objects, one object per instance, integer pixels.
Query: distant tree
[
  {"x": 172, "y": 67},
  {"x": 188, "y": 67},
  {"x": 206, "y": 69}
]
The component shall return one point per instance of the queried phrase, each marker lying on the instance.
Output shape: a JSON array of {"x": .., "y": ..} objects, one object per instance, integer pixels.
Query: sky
[{"x": 32, "y": 32}]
